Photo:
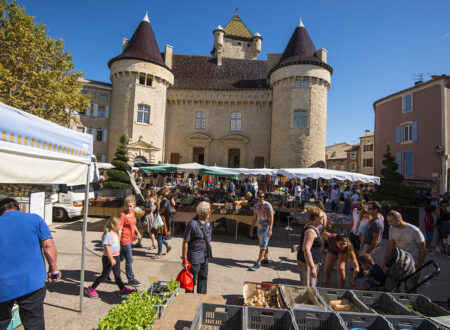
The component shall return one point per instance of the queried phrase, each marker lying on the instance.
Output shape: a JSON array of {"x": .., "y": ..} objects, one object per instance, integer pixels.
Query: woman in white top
[
  {"x": 255, "y": 185},
  {"x": 361, "y": 225}
]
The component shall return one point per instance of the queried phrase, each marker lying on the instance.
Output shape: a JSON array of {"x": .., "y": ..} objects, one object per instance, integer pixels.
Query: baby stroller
[{"x": 400, "y": 267}]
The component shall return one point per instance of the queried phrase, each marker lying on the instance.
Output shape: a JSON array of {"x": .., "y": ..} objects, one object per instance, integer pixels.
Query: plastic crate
[
  {"x": 158, "y": 289},
  {"x": 302, "y": 297},
  {"x": 250, "y": 287},
  {"x": 256, "y": 318},
  {"x": 335, "y": 294},
  {"x": 214, "y": 316},
  {"x": 312, "y": 320},
  {"x": 420, "y": 302},
  {"x": 366, "y": 321},
  {"x": 411, "y": 323},
  {"x": 383, "y": 303}
]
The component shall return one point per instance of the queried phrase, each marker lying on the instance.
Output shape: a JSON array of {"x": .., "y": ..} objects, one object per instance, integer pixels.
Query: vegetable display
[
  {"x": 341, "y": 305},
  {"x": 263, "y": 298}
]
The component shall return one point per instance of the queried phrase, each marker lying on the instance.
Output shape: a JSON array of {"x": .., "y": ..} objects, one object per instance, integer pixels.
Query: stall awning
[
  {"x": 323, "y": 173},
  {"x": 36, "y": 151},
  {"x": 217, "y": 172},
  {"x": 158, "y": 169}
]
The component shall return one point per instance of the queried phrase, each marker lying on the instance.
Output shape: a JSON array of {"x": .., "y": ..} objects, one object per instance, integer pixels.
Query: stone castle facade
[{"x": 228, "y": 109}]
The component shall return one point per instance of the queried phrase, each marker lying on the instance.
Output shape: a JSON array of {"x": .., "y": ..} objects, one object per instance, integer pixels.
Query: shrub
[{"x": 118, "y": 177}]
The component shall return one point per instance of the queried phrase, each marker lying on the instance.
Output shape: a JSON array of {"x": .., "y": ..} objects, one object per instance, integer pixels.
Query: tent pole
[
  {"x": 317, "y": 187},
  {"x": 83, "y": 244}
]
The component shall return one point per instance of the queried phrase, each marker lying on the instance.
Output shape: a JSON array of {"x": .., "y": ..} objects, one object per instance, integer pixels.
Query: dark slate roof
[
  {"x": 202, "y": 72},
  {"x": 300, "y": 50},
  {"x": 142, "y": 46}
]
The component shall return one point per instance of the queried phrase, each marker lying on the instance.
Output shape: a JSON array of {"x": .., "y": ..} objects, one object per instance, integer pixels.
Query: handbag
[{"x": 158, "y": 222}]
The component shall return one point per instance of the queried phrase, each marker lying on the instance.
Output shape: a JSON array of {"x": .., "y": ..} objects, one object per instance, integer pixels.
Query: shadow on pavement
[
  {"x": 95, "y": 225},
  {"x": 227, "y": 262}
]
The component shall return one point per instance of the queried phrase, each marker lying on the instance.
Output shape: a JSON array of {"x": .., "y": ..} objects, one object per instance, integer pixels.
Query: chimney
[
  {"x": 322, "y": 54},
  {"x": 418, "y": 83},
  {"x": 124, "y": 43},
  {"x": 367, "y": 131},
  {"x": 168, "y": 51}
]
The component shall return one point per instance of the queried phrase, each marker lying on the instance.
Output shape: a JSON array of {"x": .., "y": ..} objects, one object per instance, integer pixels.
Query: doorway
[
  {"x": 199, "y": 155},
  {"x": 234, "y": 158}
]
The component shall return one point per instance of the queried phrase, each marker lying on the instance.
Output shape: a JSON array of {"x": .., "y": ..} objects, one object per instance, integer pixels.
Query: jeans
[
  {"x": 126, "y": 253},
  {"x": 334, "y": 206},
  {"x": 347, "y": 206},
  {"x": 161, "y": 241},
  {"x": 31, "y": 310},
  {"x": 200, "y": 274},
  {"x": 107, "y": 267}
]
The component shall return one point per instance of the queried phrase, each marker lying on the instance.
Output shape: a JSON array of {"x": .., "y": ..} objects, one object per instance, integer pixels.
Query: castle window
[
  {"x": 84, "y": 92},
  {"x": 300, "y": 118},
  {"x": 301, "y": 83},
  {"x": 143, "y": 114},
  {"x": 142, "y": 79},
  {"x": 149, "y": 81},
  {"x": 239, "y": 43},
  {"x": 305, "y": 84},
  {"x": 101, "y": 113},
  {"x": 200, "y": 120},
  {"x": 236, "y": 121},
  {"x": 103, "y": 95}
]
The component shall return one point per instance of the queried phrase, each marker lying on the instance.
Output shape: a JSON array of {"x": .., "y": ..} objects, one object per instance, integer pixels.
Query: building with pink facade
[{"x": 416, "y": 124}]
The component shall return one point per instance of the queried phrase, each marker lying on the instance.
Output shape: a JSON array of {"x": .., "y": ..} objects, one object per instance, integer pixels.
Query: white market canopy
[
  {"x": 323, "y": 173},
  {"x": 36, "y": 151}
]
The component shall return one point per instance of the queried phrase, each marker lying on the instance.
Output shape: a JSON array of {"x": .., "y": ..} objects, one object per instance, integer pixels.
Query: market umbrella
[
  {"x": 217, "y": 172},
  {"x": 158, "y": 169}
]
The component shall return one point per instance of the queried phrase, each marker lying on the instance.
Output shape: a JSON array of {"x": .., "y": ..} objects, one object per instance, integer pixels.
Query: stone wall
[
  {"x": 253, "y": 139},
  {"x": 299, "y": 146},
  {"x": 238, "y": 49}
]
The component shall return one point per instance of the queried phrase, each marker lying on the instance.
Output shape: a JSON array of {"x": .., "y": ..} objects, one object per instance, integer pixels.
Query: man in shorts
[
  {"x": 374, "y": 232},
  {"x": 263, "y": 212}
]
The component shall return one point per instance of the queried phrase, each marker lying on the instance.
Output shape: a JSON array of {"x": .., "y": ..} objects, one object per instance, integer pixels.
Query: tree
[
  {"x": 118, "y": 177},
  {"x": 392, "y": 189},
  {"x": 36, "y": 74}
]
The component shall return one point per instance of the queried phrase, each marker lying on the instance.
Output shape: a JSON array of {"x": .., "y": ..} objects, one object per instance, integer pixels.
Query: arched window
[{"x": 140, "y": 159}]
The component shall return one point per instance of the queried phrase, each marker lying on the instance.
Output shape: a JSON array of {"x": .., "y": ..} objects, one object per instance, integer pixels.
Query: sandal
[
  {"x": 158, "y": 256},
  {"x": 138, "y": 245},
  {"x": 168, "y": 249},
  {"x": 151, "y": 247}
]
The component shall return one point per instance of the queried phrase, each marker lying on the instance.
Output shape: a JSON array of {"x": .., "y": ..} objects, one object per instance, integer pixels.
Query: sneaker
[
  {"x": 255, "y": 267},
  {"x": 92, "y": 293},
  {"x": 265, "y": 261},
  {"x": 126, "y": 291},
  {"x": 294, "y": 248},
  {"x": 134, "y": 282},
  {"x": 429, "y": 251},
  {"x": 109, "y": 280},
  {"x": 438, "y": 250}
]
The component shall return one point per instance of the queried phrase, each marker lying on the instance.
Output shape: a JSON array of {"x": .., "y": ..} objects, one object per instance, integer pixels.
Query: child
[
  {"x": 110, "y": 259},
  {"x": 429, "y": 225},
  {"x": 375, "y": 277}
]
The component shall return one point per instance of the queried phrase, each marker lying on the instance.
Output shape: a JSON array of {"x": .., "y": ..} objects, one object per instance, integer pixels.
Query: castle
[{"x": 228, "y": 109}]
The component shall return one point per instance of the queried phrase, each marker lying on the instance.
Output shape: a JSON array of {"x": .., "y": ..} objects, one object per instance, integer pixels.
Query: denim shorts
[
  {"x": 430, "y": 235},
  {"x": 263, "y": 238}
]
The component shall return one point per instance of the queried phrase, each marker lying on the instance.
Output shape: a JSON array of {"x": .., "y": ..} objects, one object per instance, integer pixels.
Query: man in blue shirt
[
  {"x": 23, "y": 236},
  {"x": 197, "y": 247}
]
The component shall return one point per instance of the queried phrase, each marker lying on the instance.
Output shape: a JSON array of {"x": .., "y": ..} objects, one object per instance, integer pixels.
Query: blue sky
[{"x": 376, "y": 48}]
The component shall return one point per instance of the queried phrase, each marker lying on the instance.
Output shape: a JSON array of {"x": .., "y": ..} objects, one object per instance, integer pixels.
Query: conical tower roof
[
  {"x": 300, "y": 50},
  {"x": 237, "y": 29},
  {"x": 142, "y": 46}
]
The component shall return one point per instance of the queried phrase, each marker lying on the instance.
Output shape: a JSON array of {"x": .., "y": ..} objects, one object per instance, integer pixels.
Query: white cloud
[{"x": 446, "y": 35}]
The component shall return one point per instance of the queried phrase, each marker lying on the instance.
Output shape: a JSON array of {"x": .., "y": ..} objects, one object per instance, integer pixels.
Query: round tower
[
  {"x": 140, "y": 79},
  {"x": 300, "y": 83}
]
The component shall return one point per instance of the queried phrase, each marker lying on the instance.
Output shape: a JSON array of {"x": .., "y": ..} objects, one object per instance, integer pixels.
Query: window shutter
[
  {"x": 94, "y": 134},
  {"x": 399, "y": 162},
  {"x": 414, "y": 131},
  {"x": 94, "y": 114},
  {"x": 85, "y": 130},
  {"x": 408, "y": 164},
  {"x": 105, "y": 135},
  {"x": 107, "y": 111},
  {"x": 87, "y": 111},
  {"x": 103, "y": 158},
  {"x": 74, "y": 128},
  {"x": 398, "y": 134},
  {"x": 238, "y": 124}
]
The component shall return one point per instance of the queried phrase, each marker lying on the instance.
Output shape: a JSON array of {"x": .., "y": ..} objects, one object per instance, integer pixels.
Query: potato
[{"x": 343, "y": 308}]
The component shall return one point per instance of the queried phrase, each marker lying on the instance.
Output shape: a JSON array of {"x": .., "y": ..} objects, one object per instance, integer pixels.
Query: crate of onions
[{"x": 265, "y": 295}]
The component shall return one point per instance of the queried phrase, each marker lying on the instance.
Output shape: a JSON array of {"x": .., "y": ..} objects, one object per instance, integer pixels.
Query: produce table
[
  {"x": 186, "y": 216},
  {"x": 103, "y": 211},
  {"x": 182, "y": 310}
]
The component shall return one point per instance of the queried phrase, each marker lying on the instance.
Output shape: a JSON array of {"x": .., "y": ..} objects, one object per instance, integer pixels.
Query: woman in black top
[
  {"x": 310, "y": 252},
  {"x": 442, "y": 215}
]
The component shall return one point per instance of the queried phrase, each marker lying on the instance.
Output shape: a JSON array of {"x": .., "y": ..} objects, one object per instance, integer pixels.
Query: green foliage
[
  {"x": 135, "y": 313},
  {"x": 118, "y": 177},
  {"x": 172, "y": 285},
  {"x": 36, "y": 74},
  {"x": 392, "y": 191},
  {"x": 117, "y": 185},
  {"x": 121, "y": 165}
]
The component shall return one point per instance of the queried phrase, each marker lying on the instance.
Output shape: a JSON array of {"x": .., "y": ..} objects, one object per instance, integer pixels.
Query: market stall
[
  {"x": 323, "y": 173},
  {"x": 36, "y": 151}
]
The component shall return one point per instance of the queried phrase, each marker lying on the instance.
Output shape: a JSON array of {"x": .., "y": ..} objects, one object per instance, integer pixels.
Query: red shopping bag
[{"x": 185, "y": 278}]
